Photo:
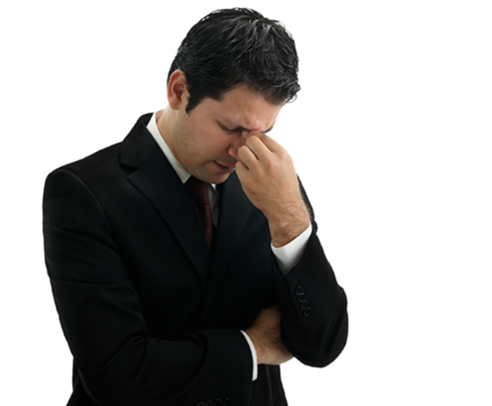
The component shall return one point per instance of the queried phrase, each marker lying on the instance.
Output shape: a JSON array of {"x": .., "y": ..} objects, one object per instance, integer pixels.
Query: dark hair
[{"x": 233, "y": 46}]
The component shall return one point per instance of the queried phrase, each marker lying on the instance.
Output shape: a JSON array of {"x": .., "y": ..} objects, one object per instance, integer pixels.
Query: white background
[{"x": 393, "y": 119}]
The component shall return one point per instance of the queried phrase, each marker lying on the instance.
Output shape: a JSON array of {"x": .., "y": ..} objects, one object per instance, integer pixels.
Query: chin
[
  {"x": 219, "y": 179},
  {"x": 215, "y": 178},
  {"x": 216, "y": 173}
]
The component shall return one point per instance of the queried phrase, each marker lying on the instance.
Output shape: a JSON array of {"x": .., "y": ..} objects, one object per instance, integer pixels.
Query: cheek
[
  {"x": 201, "y": 149},
  {"x": 217, "y": 145}
]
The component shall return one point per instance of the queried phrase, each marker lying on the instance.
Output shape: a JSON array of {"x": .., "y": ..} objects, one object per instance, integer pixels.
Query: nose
[{"x": 237, "y": 143}]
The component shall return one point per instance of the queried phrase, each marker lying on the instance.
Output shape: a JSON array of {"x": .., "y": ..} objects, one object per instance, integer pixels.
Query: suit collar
[
  {"x": 155, "y": 178},
  {"x": 179, "y": 168},
  {"x": 138, "y": 144}
]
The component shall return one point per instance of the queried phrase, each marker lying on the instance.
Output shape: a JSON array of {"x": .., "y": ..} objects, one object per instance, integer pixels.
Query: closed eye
[
  {"x": 231, "y": 130},
  {"x": 239, "y": 130}
]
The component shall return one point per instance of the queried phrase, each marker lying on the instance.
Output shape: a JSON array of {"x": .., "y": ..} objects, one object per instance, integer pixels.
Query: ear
[{"x": 177, "y": 93}]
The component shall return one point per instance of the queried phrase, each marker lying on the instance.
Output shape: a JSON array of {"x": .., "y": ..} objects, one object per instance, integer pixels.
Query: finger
[
  {"x": 241, "y": 169},
  {"x": 247, "y": 157},
  {"x": 269, "y": 142},
  {"x": 258, "y": 147}
]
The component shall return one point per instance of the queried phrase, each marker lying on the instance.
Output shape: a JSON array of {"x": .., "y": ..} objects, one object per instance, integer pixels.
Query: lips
[{"x": 229, "y": 168}]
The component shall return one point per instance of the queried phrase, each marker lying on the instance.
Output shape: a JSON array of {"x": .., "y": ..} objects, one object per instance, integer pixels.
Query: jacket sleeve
[
  {"x": 312, "y": 305},
  {"x": 100, "y": 314}
]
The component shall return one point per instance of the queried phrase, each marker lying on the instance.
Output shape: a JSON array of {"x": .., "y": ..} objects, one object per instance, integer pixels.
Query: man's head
[
  {"x": 238, "y": 46},
  {"x": 233, "y": 73}
]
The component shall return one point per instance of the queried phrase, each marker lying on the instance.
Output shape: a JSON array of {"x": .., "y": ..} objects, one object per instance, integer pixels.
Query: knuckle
[
  {"x": 284, "y": 155},
  {"x": 271, "y": 166}
]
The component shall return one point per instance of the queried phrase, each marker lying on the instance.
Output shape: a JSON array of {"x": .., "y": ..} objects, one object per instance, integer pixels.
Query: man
[{"x": 184, "y": 261}]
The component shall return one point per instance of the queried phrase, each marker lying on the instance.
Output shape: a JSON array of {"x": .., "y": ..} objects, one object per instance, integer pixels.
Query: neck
[{"x": 164, "y": 124}]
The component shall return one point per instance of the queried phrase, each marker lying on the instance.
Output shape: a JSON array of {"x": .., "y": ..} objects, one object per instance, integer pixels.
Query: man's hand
[
  {"x": 265, "y": 335},
  {"x": 268, "y": 178}
]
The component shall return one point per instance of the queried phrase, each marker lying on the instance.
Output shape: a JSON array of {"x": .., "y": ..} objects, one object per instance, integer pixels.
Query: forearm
[
  {"x": 313, "y": 308},
  {"x": 205, "y": 365}
]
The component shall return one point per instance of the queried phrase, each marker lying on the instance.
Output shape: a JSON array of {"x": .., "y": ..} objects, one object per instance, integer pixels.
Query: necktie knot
[{"x": 198, "y": 190}]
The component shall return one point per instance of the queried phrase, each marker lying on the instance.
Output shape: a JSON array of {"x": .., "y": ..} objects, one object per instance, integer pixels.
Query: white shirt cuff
[
  {"x": 253, "y": 355},
  {"x": 289, "y": 255}
]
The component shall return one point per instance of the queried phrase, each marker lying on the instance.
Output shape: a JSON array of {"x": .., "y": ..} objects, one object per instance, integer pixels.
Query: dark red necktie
[{"x": 199, "y": 192}]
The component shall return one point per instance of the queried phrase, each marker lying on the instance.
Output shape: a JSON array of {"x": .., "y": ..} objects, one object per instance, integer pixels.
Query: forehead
[{"x": 243, "y": 107}]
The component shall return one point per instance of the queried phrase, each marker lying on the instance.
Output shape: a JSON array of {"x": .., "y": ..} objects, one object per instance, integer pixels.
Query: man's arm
[{"x": 312, "y": 305}]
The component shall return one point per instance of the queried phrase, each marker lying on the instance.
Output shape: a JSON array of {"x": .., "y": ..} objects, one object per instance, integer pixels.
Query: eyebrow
[{"x": 241, "y": 128}]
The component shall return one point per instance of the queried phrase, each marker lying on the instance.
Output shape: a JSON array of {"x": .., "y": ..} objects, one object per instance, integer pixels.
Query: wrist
[
  {"x": 288, "y": 225},
  {"x": 260, "y": 358}
]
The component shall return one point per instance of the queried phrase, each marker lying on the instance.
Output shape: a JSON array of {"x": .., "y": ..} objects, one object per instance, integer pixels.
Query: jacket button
[
  {"x": 218, "y": 402},
  {"x": 200, "y": 404},
  {"x": 307, "y": 312},
  {"x": 299, "y": 290},
  {"x": 225, "y": 402}
]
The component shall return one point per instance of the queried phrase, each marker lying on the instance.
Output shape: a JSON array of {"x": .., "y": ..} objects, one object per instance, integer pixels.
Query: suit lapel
[
  {"x": 234, "y": 211},
  {"x": 156, "y": 179}
]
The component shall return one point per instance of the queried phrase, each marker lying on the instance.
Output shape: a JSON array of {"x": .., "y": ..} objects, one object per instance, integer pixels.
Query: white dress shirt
[{"x": 286, "y": 256}]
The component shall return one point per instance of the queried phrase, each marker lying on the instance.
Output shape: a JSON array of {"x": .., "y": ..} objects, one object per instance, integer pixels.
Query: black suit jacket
[{"x": 150, "y": 315}]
